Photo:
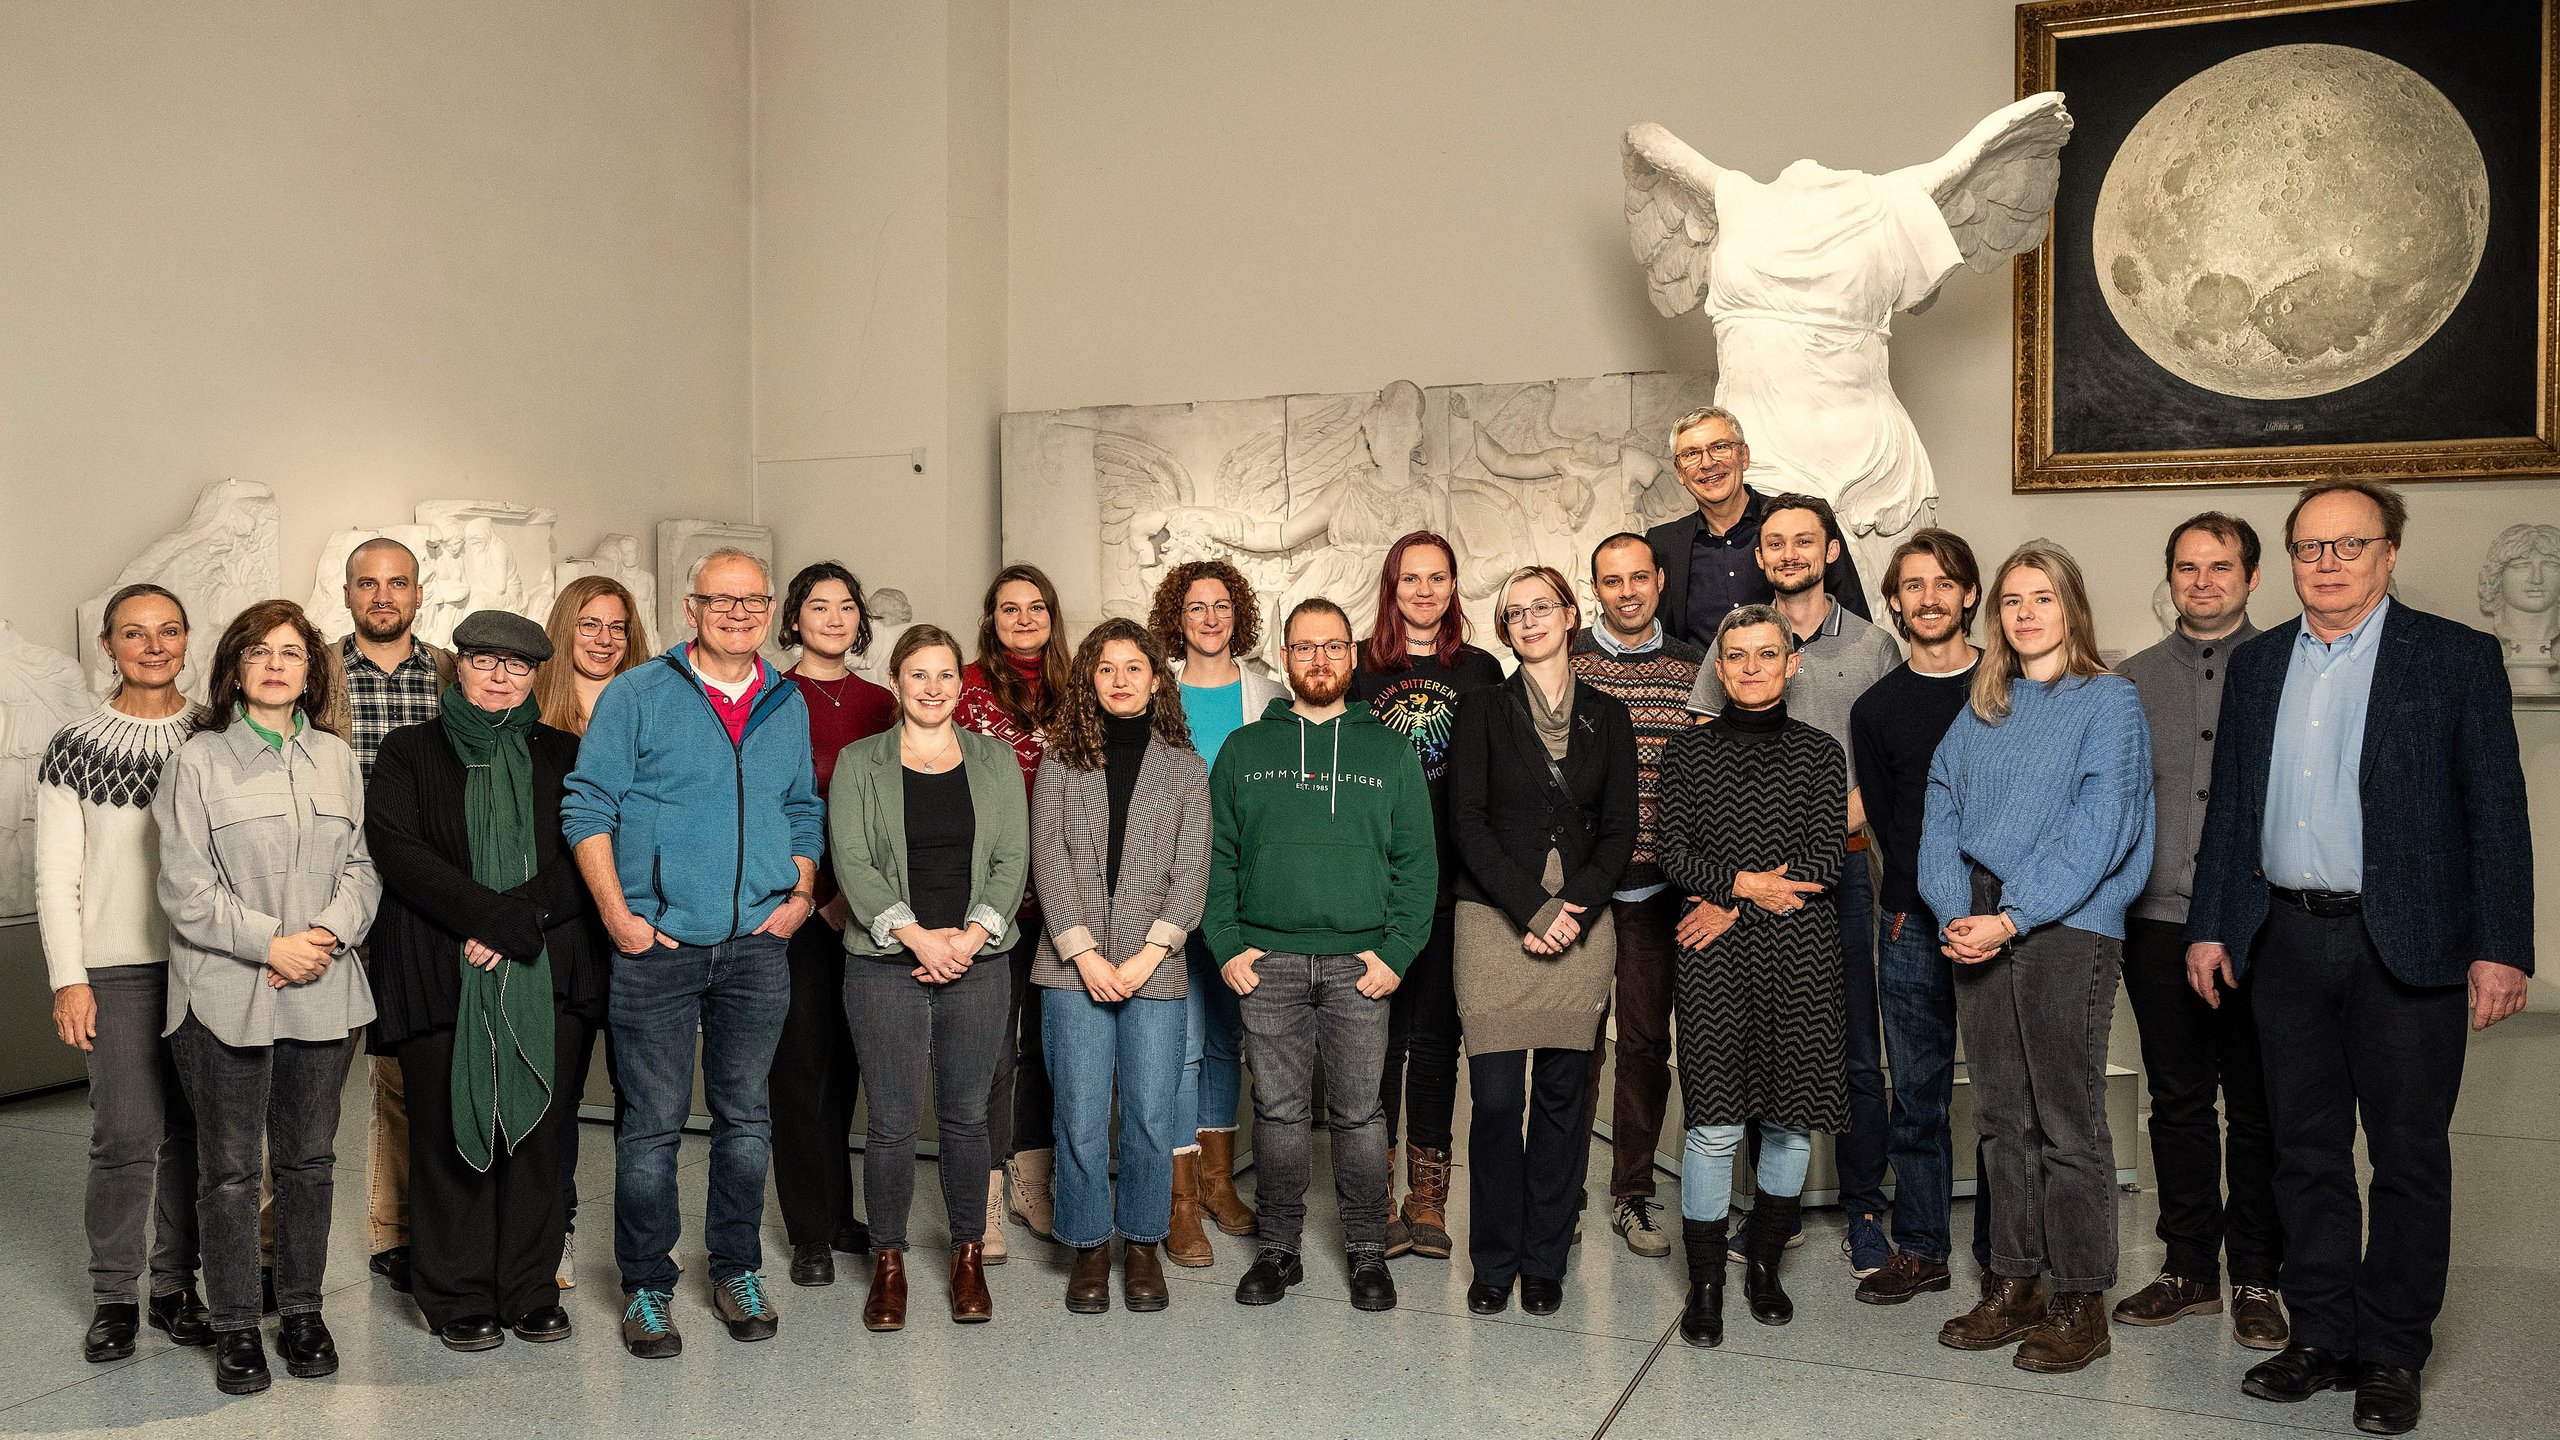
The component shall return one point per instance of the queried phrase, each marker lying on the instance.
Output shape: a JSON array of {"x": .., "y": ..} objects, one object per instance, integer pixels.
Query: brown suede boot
[
  {"x": 1426, "y": 1206},
  {"x": 2072, "y": 1333},
  {"x": 1218, "y": 1197},
  {"x": 1185, "y": 1244},
  {"x": 2010, "y": 1308}
]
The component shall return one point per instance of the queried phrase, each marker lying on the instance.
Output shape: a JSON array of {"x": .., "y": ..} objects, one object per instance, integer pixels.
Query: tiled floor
[{"x": 1310, "y": 1366}]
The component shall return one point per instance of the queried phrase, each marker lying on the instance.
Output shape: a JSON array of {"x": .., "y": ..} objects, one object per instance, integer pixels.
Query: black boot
[
  {"x": 303, "y": 1340},
  {"x": 183, "y": 1315},
  {"x": 1702, "y": 1319},
  {"x": 1773, "y": 1219},
  {"x": 111, "y": 1332},
  {"x": 240, "y": 1362}
]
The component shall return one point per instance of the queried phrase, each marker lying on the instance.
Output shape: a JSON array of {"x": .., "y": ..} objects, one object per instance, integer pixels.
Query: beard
[
  {"x": 1929, "y": 627},
  {"x": 381, "y": 628},
  {"x": 1322, "y": 685},
  {"x": 1811, "y": 577}
]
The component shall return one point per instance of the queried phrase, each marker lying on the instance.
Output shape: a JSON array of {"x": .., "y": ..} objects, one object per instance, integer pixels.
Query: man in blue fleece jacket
[{"x": 697, "y": 824}]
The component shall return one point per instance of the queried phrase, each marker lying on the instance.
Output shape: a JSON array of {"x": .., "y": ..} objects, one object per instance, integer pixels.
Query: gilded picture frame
[{"x": 2478, "y": 396}]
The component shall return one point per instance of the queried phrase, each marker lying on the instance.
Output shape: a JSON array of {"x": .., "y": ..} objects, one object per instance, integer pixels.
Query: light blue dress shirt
[{"x": 2313, "y": 834}]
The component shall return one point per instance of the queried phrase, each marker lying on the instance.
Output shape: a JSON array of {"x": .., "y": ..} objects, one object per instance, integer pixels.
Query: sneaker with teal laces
[
  {"x": 648, "y": 1329},
  {"x": 744, "y": 1308}
]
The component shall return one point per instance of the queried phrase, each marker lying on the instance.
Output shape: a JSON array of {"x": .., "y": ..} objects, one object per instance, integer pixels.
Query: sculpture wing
[
  {"x": 1995, "y": 188},
  {"x": 1671, "y": 215},
  {"x": 1134, "y": 477},
  {"x": 1323, "y": 444}
]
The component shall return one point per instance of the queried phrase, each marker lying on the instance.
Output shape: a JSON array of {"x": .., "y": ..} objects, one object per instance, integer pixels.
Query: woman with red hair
[{"x": 1412, "y": 669}]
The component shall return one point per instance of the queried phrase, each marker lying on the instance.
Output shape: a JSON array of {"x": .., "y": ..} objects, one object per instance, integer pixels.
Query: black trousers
[
  {"x": 2343, "y": 1037},
  {"x": 2191, "y": 1053},
  {"x": 815, "y": 1079},
  {"x": 1421, "y": 1079},
  {"x": 1647, "y": 957},
  {"x": 1523, "y": 1192},
  {"x": 484, "y": 1243},
  {"x": 1021, "y": 1108}
]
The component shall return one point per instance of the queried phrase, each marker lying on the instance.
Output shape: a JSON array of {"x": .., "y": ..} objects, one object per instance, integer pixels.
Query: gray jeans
[
  {"x": 906, "y": 1033},
  {"x": 142, "y": 1143},
  {"x": 1303, "y": 1008},
  {"x": 284, "y": 1096},
  {"x": 2035, "y": 1039}
]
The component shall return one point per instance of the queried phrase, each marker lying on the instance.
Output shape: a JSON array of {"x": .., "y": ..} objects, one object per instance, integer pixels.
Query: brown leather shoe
[
  {"x": 1185, "y": 1244},
  {"x": 2169, "y": 1298},
  {"x": 970, "y": 1302},
  {"x": 887, "y": 1307},
  {"x": 1089, "y": 1280},
  {"x": 1218, "y": 1197},
  {"x": 2257, "y": 1318},
  {"x": 2072, "y": 1333},
  {"x": 1426, "y": 1205},
  {"x": 1142, "y": 1280},
  {"x": 2010, "y": 1308},
  {"x": 1903, "y": 1276}
]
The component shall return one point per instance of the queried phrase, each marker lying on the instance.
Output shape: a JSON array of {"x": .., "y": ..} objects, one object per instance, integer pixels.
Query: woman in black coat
[
  {"x": 1542, "y": 806},
  {"x": 486, "y": 1213}
]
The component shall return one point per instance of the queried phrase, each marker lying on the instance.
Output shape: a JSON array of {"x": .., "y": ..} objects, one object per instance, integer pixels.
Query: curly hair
[
  {"x": 320, "y": 679},
  {"x": 1164, "y": 616},
  {"x": 1077, "y": 739}
]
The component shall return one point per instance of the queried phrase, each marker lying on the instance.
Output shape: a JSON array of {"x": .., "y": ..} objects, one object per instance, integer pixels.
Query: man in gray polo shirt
[
  {"x": 1842, "y": 656},
  {"x": 2191, "y": 1050}
]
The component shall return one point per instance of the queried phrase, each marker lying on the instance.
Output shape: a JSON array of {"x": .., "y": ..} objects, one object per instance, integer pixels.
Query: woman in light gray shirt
[{"x": 269, "y": 889}]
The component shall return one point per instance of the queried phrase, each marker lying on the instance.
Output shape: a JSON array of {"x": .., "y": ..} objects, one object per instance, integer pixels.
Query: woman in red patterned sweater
[{"x": 1008, "y": 693}]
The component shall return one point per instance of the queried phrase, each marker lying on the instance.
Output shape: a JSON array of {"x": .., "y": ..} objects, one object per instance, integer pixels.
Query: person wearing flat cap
[{"x": 486, "y": 982}]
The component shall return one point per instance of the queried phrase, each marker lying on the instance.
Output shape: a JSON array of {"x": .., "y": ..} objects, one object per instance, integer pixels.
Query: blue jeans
[
  {"x": 735, "y": 994},
  {"x": 1089, "y": 1047},
  {"x": 1706, "y": 1166},
  {"x": 1212, "y": 1050},
  {"x": 1861, "y": 1149},
  {"x": 1917, "y": 982}
]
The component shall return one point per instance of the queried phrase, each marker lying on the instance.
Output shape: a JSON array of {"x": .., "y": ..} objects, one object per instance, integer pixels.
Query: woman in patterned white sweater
[{"x": 106, "y": 946}]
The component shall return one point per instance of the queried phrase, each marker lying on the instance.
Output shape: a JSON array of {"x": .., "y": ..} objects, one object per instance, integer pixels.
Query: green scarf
[{"x": 502, "y": 1029}]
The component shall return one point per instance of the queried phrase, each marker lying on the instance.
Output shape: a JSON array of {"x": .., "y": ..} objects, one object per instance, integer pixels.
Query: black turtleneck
[
  {"x": 1754, "y": 725},
  {"x": 1124, "y": 749}
]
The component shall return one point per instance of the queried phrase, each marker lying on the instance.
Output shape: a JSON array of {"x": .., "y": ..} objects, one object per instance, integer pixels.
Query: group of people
[{"x": 1073, "y": 889}]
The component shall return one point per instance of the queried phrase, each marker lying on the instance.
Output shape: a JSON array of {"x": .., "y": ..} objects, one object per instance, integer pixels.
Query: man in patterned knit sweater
[{"x": 1630, "y": 655}]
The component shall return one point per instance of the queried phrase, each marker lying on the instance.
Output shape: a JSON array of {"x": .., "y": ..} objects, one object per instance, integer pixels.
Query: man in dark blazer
[
  {"x": 1710, "y": 559},
  {"x": 2367, "y": 862}
]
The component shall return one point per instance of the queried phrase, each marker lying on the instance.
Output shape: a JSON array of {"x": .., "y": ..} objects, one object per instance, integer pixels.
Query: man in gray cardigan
[{"x": 2190, "y": 1049}]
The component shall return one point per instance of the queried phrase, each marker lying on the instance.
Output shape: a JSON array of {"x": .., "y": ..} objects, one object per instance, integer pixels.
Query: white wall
[
  {"x": 1225, "y": 200},
  {"x": 366, "y": 252},
  {"x": 880, "y": 289}
]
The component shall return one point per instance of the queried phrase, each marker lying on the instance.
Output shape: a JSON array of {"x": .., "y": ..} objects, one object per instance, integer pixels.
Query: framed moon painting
[{"x": 2292, "y": 238}]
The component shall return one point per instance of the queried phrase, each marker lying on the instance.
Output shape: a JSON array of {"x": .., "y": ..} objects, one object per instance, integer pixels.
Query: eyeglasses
[
  {"x": 1534, "y": 610},
  {"x": 726, "y": 604},
  {"x": 262, "y": 654},
  {"x": 485, "y": 662},
  {"x": 2348, "y": 547},
  {"x": 618, "y": 629},
  {"x": 1720, "y": 450},
  {"x": 1203, "y": 609},
  {"x": 1308, "y": 649}
]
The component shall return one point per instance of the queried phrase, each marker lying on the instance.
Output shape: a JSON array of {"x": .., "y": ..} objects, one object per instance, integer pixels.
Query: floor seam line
[{"x": 1636, "y": 1381}]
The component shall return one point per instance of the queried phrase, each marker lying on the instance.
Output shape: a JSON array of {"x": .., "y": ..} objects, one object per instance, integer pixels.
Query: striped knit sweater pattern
[{"x": 1654, "y": 686}]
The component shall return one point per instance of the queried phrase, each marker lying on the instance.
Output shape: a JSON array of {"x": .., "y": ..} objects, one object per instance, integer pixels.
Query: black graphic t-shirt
[{"x": 1420, "y": 702}]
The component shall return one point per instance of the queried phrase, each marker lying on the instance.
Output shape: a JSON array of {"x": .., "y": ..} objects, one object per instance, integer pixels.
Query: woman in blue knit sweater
[{"x": 2038, "y": 835}]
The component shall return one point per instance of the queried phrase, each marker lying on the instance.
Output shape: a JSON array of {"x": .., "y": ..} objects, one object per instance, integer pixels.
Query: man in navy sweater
[{"x": 2367, "y": 864}]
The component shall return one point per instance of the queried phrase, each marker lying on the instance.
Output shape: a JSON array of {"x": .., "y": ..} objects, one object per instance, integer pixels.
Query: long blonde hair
[
  {"x": 2000, "y": 664},
  {"x": 555, "y": 685}
]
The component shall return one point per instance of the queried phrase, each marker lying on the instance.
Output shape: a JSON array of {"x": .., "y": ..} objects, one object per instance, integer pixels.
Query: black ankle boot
[
  {"x": 1702, "y": 1318},
  {"x": 240, "y": 1362},
  {"x": 1773, "y": 1219},
  {"x": 183, "y": 1315},
  {"x": 303, "y": 1340},
  {"x": 111, "y": 1332}
]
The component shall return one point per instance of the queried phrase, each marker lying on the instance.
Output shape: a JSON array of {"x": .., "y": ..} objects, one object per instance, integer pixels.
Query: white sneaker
[
  {"x": 991, "y": 1250},
  {"x": 566, "y": 1277}
]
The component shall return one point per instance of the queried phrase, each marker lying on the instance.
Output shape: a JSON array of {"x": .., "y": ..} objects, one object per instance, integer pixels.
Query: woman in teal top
[{"x": 1205, "y": 615}]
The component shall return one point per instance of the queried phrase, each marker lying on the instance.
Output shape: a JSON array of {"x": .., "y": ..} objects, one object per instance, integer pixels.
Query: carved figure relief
[
  {"x": 220, "y": 562},
  {"x": 41, "y": 690}
]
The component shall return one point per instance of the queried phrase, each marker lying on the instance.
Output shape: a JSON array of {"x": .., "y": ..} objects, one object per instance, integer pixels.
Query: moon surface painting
[{"x": 2291, "y": 222}]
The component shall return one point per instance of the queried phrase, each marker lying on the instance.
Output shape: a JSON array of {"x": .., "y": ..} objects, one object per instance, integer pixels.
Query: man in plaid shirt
[{"x": 393, "y": 679}]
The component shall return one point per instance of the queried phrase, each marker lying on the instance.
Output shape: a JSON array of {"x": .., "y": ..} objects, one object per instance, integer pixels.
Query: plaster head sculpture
[
  {"x": 2520, "y": 591},
  {"x": 1801, "y": 278},
  {"x": 219, "y": 562}
]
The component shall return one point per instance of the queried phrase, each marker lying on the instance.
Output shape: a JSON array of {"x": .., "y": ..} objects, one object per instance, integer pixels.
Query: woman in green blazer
[{"x": 931, "y": 838}]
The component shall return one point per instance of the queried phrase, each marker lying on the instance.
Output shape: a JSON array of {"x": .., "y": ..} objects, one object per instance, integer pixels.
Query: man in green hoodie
[{"x": 1322, "y": 875}]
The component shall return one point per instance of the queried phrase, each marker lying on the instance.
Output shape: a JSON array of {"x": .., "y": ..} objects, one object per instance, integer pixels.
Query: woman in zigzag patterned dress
[{"x": 1754, "y": 811}]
